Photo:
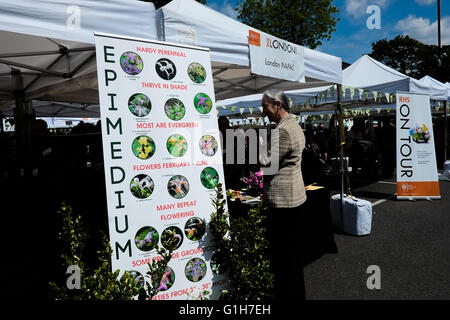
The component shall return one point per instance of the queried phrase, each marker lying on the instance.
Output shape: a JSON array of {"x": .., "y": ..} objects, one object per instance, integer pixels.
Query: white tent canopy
[
  {"x": 189, "y": 22},
  {"x": 367, "y": 74},
  {"x": 370, "y": 74},
  {"x": 47, "y": 50},
  {"x": 436, "y": 83}
]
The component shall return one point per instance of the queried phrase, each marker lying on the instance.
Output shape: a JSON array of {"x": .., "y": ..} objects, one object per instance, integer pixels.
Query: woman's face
[{"x": 270, "y": 110}]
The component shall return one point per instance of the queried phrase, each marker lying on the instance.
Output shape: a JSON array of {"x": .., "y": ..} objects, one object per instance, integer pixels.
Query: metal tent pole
[
  {"x": 445, "y": 131},
  {"x": 2, "y": 129},
  {"x": 23, "y": 116}
]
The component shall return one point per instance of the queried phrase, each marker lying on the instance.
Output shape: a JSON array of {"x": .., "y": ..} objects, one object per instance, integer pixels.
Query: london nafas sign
[
  {"x": 162, "y": 158},
  {"x": 274, "y": 57},
  {"x": 416, "y": 158}
]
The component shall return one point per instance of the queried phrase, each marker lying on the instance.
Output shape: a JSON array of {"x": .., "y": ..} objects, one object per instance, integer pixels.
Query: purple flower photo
[{"x": 131, "y": 63}]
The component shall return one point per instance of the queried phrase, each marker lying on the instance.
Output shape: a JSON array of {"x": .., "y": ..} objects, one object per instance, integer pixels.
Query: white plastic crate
[{"x": 357, "y": 215}]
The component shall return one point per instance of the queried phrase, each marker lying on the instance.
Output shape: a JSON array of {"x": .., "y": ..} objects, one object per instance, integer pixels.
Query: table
[
  {"x": 315, "y": 227},
  {"x": 317, "y": 234}
]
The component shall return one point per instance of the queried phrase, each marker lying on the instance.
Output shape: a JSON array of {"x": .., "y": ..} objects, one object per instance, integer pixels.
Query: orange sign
[{"x": 254, "y": 38}]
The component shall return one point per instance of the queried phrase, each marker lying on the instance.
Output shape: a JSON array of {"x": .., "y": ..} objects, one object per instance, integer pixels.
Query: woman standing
[{"x": 284, "y": 193}]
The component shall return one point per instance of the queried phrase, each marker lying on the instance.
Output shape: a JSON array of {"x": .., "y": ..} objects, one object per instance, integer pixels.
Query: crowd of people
[{"x": 369, "y": 144}]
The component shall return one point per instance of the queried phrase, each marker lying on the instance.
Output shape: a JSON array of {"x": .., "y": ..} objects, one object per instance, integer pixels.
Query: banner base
[{"x": 418, "y": 198}]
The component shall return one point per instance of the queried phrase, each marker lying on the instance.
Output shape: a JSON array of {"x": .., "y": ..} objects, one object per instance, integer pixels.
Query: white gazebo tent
[
  {"x": 48, "y": 53},
  {"x": 436, "y": 83},
  {"x": 362, "y": 80},
  {"x": 189, "y": 22},
  {"x": 370, "y": 74}
]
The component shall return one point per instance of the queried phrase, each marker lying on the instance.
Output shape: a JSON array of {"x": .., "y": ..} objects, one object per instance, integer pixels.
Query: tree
[
  {"x": 413, "y": 57},
  {"x": 160, "y": 3},
  {"x": 304, "y": 22}
]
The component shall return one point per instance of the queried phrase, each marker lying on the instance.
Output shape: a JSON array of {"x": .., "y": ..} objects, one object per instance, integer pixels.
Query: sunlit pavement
[{"x": 410, "y": 243}]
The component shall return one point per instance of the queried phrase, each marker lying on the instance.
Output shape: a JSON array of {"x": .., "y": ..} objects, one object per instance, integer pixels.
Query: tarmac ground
[{"x": 409, "y": 246}]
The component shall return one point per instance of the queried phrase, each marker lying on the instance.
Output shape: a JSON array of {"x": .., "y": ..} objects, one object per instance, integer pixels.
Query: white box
[{"x": 447, "y": 165}]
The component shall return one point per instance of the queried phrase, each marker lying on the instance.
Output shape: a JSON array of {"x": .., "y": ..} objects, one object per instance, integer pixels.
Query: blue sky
[{"x": 416, "y": 18}]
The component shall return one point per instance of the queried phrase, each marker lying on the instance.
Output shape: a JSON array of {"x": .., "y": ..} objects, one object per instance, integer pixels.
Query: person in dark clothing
[{"x": 388, "y": 155}]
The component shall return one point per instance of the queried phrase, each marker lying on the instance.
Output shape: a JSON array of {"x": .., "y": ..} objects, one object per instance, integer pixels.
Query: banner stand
[
  {"x": 162, "y": 155},
  {"x": 417, "y": 176}
]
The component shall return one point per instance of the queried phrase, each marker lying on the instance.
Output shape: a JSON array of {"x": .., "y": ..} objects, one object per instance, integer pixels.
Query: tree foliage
[
  {"x": 304, "y": 22},
  {"x": 413, "y": 58}
]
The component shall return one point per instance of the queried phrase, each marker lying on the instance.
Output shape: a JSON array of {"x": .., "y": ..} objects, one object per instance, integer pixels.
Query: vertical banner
[
  {"x": 417, "y": 176},
  {"x": 162, "y": 158},
  {"x": 276, "y": 58}
]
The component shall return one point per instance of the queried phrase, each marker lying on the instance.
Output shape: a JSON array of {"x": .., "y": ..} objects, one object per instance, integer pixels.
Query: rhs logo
[{"x": 407, "y": 187}]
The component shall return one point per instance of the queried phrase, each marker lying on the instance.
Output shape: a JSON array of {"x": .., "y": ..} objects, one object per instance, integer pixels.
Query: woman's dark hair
[{"x": 276, "y": 95}]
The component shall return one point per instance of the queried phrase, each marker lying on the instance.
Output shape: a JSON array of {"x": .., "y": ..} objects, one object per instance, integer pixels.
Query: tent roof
[
  {"x": 436, "y": 83},
  {"x": 366, "y": 73},
  {"x": 189, "y": 22},
  {"x": 47, "y": 50}
]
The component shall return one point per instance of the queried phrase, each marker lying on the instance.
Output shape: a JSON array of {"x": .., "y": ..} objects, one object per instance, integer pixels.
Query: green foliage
[
  {"x": 303, "y": 22},
  {"x": 101, "y": 283},
  {"x": 156, "y": 271},
  {"x": 413, "y": 58},
  {"x": 244, "y": 243}
]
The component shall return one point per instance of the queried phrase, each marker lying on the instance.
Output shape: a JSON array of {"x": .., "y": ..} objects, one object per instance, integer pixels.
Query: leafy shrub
[
  {"x": 101, "y": 283},
  {"x": 243, "y": 241}
]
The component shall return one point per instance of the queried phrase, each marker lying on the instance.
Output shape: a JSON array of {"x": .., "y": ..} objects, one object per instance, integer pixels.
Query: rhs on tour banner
[
  {"x": 163, "y": 159},
  {"x": 417, "y": 176}
]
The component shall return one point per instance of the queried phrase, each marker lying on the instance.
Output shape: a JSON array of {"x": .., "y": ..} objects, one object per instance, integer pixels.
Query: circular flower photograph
[
  {"x": 165, "y": 69},
  {"x": 174, "y": 109},
  {"x": 167, "y": 280},
  {"x": 131, "y": 63},
  {"x": 195, "y": 269},
  {"x": 208, "y": 145},
  {"x": 178, "y": 186},
  {"x": 172, "y": 238},
  {"x": 218, "y": 263},
  {"x": 138, "y": 277},
  {"x": 139, "y": 105},
  {"x": 196, "y": 72},
  {"x": 202, "y": 103},
  {"x": 195, "y": 228},
  {"x": 177, "y": 145},
  {"x": 142, "y": 186},
  {"x": 209, "y": 178},
  {"x": 143, "y": 147},
  {"x": 146, "y": 239}
]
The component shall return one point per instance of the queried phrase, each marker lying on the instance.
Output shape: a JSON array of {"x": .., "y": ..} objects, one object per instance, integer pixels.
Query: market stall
[
  {"x": 47, "y": 50},
  {"x": 357, "y": 88},
  {"x": 189, "y": 22},
  {"x": 35, "y": 64}
]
